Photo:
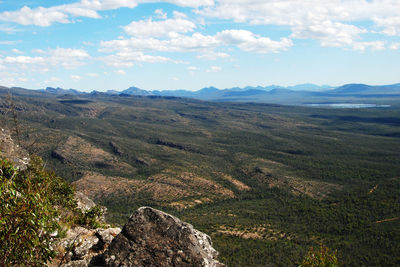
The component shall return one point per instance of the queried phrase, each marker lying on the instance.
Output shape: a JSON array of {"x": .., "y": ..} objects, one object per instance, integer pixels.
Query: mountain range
[{"x": 301, "y": 94}]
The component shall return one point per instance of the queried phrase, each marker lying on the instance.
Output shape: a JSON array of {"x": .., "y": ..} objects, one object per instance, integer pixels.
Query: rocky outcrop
[
  {"x": 154, "y": 238},
  {"x": 9, "y": 150},
  {"x": 80, "y": 245}
]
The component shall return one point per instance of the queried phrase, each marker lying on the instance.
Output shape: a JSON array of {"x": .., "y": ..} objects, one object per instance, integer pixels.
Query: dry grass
[
  {"x": 238, "y": 184},
  {"x": 264, "y": 231},
  {"x": 180, "y": 190},
  {"x": 76, "y": 150},
  {"x": 314, "y": 189}
]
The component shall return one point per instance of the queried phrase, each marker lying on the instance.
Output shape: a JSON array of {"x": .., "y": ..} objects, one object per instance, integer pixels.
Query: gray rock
[
  {"x": 107, "y": 235},
  {"x": 84, "y": 203},
  {"x": 84, "y": 246},
  {"x": 11, "y": 151},
  {"x": 154, "y": 238},
  {"x": 78, "y": 263}
]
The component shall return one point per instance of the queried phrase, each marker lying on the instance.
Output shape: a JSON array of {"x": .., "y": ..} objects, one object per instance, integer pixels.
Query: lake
[{"x": 346, "y": 105}]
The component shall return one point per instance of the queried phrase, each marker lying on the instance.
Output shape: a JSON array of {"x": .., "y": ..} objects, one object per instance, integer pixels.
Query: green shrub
[
  {"x": 30, "y": 204},
  {"x": 321, "y": 257},
  {"x": 90, "y": 217}
]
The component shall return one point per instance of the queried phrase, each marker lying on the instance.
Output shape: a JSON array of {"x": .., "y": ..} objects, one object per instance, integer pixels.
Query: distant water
[{"x": 346, "y": 105}]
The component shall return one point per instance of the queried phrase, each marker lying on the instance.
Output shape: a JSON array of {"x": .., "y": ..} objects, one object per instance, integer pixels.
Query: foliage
[
  {"x": 90, "y": 218},
  {"x": 320, "y": 257},
  {"x": 31, "y": 201}
]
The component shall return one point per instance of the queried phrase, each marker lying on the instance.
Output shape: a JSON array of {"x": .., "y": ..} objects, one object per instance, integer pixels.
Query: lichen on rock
[
  {"x": 80, "y": 245},
  {"x": 154, "y": 238}
]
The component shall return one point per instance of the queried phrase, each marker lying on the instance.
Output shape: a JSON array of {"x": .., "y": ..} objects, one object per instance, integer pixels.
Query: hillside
[
  {"x": 266, "y": 182},
  {"x": 45, "y": 222}
]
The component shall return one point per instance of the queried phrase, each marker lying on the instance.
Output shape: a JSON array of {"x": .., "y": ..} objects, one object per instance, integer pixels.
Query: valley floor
[{"x": 265, "y": 181}]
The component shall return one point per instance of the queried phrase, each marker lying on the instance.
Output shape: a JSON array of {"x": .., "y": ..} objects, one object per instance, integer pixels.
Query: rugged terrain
[
  {"x": 150, "y": 237},
  {"x": 266, "y": 182}
]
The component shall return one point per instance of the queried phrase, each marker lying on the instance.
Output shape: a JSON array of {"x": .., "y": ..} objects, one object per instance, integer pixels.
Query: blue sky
[{"x": 191, "y": 44}]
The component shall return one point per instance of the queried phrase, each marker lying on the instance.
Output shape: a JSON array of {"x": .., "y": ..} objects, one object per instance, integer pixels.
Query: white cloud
[
  {"x": 16, "y": 51},
  {"x": 120, "y": 72},
  {"x": 295, "y": 12},
  {"x": 394, "y": 46},
  {"x": 67, "y": 57},
  {"x": 41, "y": 69},
  {"x": 38, "y": 51},
  {"x": 214, "y": 69},
  {"x": 330, "y": 34},
  {"x": 24, "y": 60},
  {"x": 212, "y": 55},
  {"x": 160, "y": 13},
  {"x": 8, "y": 29},
  {"x": 60, "y": 57},
  {"x": 77, "y": 11},
  {"x": 192, "y": 68},
  {"x": 8, "y": 79},
  {"x": 9, "y": 42},
  {"x": 76, "y": 77},
  {"x": 92, "y": 74},
  {"x": 39, "y": 16},
  {"x": 330, "y": 22},
  {"x": 374, "y": 46},
  {"x": 150, "y": 28},
  {"x": 251, "y": 42},
  {"x": 87, "y": 43},
  {"x": 126, "y": 51},
  {"x": 181, "y": 43},
  {"x": 45, "y": 17},
  {"x": 188, "y": 3},
  {"x": 128, "y": 59},
  {"x": 52, "y": 80},
  {"x": 178, "y": 14},
  {"x": 390, "y": 25}
]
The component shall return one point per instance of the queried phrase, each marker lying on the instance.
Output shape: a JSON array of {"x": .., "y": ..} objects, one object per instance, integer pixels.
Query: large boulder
[{"x": 154, "y": 238}]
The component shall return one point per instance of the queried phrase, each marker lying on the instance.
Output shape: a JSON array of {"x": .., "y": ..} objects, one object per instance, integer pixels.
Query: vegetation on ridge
[
  {"x": 36, "y": 207},
  {"x": 31, "y": 201}
]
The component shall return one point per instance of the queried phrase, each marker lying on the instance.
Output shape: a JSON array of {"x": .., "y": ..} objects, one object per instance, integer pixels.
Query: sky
[{"x": 190, "y": 44}]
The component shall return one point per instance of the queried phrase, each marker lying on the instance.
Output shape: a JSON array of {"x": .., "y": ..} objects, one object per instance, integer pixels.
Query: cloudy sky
[{"x": 190, "y": 44}]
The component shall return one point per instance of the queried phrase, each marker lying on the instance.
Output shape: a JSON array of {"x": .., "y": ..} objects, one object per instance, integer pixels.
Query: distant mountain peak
[
  {"x": 61, "y": 91},
  {"x": 136, "y": 91},
  {"x": 352, "y": 88}
]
